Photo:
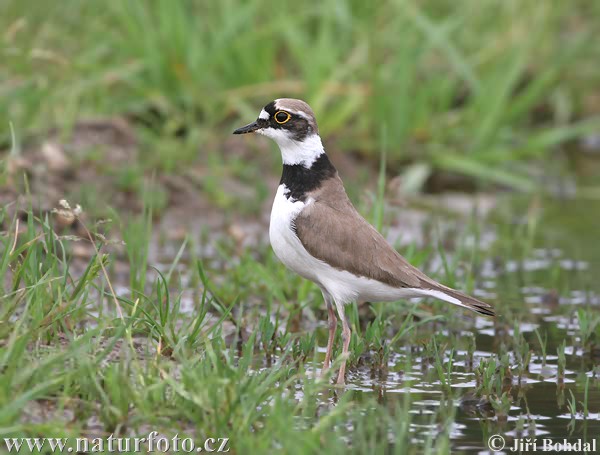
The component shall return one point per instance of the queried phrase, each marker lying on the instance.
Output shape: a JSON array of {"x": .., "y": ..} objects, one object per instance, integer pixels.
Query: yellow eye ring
[{"x": 287, "y": 119}]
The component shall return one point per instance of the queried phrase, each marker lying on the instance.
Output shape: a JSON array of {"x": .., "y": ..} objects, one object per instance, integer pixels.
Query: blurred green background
[{"x": 491, "y": 93}]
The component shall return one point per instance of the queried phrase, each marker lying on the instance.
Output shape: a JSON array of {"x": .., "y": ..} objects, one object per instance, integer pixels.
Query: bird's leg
[
  {"x": 346, "y": 332},
  {"x": 332, "y": 323}
]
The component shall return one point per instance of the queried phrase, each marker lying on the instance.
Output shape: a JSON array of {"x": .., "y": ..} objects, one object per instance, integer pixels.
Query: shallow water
[
  {"x": 539, "y": 407},
  {"x": 546, "y": 287}
]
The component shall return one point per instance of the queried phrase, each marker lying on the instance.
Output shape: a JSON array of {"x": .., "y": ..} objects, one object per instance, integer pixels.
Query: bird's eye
[{"x": 282, "y": 117}]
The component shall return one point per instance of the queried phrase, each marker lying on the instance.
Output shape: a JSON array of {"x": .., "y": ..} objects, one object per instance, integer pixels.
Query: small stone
[{"x": 55, "y": 157}]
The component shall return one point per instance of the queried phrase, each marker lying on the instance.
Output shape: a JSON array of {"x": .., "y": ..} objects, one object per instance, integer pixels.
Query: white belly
[{"x": 343, "y": 286}]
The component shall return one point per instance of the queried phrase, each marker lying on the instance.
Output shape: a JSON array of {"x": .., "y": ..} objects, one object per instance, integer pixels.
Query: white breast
[{"x": 284, "y": 241}]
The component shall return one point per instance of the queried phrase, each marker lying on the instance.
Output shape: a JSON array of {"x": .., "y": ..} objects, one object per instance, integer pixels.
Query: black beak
[{"x": 250, "y": 128}]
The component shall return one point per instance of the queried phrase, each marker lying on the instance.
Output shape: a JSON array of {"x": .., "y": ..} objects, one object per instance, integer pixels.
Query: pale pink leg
[
  {"x": 332, "y": 322},
  {"x": 346, "y": 339}
]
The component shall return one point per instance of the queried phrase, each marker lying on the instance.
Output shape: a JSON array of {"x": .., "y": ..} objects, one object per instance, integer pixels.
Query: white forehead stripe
[
  {"x": 302, "y": 114},
  {"x": 264, "y": 115}
]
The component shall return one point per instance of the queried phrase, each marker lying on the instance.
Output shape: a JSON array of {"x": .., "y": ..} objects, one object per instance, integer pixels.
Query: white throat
[{"x": 293, "y": 152}]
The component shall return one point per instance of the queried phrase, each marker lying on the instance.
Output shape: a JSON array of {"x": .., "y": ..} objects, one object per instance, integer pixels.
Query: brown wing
[{"x": 332, "y": 230}]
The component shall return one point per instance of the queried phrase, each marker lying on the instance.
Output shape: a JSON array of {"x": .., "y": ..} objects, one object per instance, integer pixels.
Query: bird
[{"x": 316, "y": 231}]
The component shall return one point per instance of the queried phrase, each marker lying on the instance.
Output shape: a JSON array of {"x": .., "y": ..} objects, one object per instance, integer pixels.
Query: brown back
[{"x": 332, "y": 230}]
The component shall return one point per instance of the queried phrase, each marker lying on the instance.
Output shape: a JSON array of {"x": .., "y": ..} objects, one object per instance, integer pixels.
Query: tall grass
[{"x": 476, "y": 88}]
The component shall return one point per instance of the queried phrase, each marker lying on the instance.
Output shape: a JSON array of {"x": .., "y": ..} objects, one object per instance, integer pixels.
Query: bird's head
[
  {"x": 292, "y": 125},
  {"x": 284, "y": 119}
]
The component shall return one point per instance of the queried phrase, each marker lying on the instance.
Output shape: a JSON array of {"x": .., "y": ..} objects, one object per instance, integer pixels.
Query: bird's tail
[{"x": 458, "y": 298}]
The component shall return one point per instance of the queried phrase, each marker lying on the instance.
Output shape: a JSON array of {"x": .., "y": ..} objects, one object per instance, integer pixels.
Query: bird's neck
[
  {"x": 300, "y": 180},
  {"x": 304, "y": 152}
]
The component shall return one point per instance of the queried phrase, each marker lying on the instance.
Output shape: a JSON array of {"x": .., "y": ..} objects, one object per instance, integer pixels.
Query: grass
[
  {"x": 224, "y": 365},
  {"x": 485, "y": 92},
  {"x": 121, "y": 370}
]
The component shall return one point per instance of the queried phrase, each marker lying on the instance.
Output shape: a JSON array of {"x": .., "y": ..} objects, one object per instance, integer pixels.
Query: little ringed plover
[{"x": 316, "y": 231}]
